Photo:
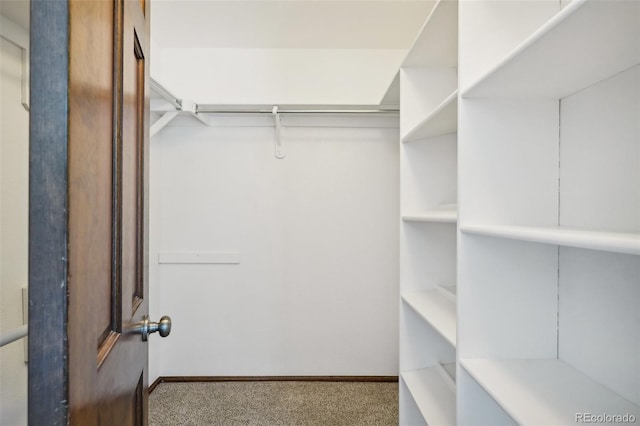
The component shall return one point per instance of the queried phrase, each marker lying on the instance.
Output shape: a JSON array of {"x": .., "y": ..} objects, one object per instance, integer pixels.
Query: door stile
[{"x": 48, "y": 213}]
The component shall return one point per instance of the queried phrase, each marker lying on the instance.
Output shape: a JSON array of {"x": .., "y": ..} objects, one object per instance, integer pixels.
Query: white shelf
[
  {"x": 628, "y": 243},
  {"x": 449, "y": 290},
  {"x": 436, "y": 309},
  {"x": 435, "y": 45},
  {"x": 434, "y": 393},
  {"x": 443, "y": 120},
  {"x": 444, "y": 214},
  {"x": 545, "y": 392},
  {"x": 437, "y": 42},
  {"x": 450, "y": 369},
  {"x": 584, "y": 43},
  {"x": 392, "y": 94}
]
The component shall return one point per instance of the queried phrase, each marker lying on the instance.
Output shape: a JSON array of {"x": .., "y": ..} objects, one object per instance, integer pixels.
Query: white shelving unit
[
  {"x": 428, "y": 82},
  {"x": 520, "y": 238},
  {"x": 549, "y": 225}
]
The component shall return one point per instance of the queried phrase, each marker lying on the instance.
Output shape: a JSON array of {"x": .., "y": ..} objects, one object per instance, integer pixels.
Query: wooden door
[{"x": 88, "y": 212}]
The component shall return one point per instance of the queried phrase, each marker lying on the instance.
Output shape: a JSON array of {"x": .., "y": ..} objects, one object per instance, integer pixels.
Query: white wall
[
  {"x": 285, "y": 52},
  {"x": 279, "y": 76},
  {"x": 315, "y": 292},
  {"x": 14, "y": 152}
]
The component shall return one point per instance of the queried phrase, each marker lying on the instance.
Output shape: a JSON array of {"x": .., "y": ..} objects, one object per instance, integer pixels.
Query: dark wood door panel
[
  {"x": 101, "y": 171},
  {"x": 90, "y": 174},
  {"x": 123, "y": 387},
  {"x": 133, "y": 173},
  {"x": 90, "y": 200}
]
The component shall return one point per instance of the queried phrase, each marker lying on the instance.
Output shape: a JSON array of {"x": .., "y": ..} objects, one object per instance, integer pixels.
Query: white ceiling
[{"x": 302, "y": 24}]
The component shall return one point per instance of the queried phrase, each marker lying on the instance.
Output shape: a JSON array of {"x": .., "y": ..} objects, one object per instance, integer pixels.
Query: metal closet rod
[
  {"x": 297, "y": 109},
  {"x": 268, "y": 109}
]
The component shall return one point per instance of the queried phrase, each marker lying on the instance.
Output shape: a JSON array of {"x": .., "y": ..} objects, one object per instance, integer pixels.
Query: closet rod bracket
[
  {"x": 279, "y": 150},
  {"x": 188, "y": 105}
]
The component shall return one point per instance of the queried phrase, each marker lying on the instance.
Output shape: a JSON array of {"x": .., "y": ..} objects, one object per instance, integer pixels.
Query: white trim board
[{"x": 228, "y": 257}]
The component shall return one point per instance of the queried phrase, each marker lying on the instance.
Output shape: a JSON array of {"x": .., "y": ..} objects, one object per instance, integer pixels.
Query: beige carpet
[{"x": 274, "y": 403}]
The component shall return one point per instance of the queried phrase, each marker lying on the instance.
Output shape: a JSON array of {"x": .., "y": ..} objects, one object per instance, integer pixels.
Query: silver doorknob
[{"x": 146, "y": 327}]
